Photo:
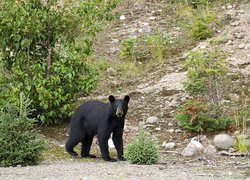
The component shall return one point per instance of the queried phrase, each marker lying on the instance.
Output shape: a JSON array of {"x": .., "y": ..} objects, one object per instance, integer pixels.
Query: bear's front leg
[
  {"x": 118, "y": 142},
  {"x": 103, "y": 143}
]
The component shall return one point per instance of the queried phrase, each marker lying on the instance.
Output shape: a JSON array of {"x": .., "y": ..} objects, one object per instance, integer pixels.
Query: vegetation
[
  {"x": 207, "y": 74},
  {"x": 197, "y": 115},
  {"x": 44, "y": 45},
  {"x": 143, "y": 150},
  {"x": 20, "y": 143}
]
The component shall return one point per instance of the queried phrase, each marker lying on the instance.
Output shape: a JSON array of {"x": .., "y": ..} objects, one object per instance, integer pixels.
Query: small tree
[
  {"x": 207, "y": 75},
  {"x": 20, "y": 143},
  {"x": 44, "y": 44}
]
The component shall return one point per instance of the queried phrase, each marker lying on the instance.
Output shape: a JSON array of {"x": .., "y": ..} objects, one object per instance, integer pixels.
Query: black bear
[{"x": 101, "y": 119}]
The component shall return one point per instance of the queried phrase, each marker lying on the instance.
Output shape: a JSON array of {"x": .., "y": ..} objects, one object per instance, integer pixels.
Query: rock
[
  {"x": 178, "y": 130},
  {"x": 152, "y": 18},
  {"x": 242, "y": 46},
  {"x": 122, "y": 17},
  {"x": 192, "y": 149},
  {"x": 158, "y": 129},
  {"x": 170, "y": 124},
  {"x": 171, "y": 130},
  {"x": 152, "y": 120},
  {"x": 169, "y": 145},
  {"x": 210, "y": 150},
  {"x": 229, "y": 6},
  {"x": 111, "y": 144},
  {"x": 224, "y": 141},
  {"x": 145, "y": 29},
  {"x": 231, "y": 150}
]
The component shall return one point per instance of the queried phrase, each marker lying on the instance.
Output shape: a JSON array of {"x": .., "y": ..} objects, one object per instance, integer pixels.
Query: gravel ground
[{"x": 123, "y": 170}]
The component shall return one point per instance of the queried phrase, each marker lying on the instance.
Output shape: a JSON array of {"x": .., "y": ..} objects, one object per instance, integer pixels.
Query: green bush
[
  {"x": 196, "y": 115},
  {"x": 44, "y": 48},
  {"x": 143, "y": 150},
  {"x": 207, "y": 75},
  {"x": 127, "y": 50},
  {"x": 20, "y": 143},
  {"x": 201, "y": 28}
]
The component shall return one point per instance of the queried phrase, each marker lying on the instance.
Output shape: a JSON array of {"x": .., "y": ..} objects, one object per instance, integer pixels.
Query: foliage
[
  {"x": 242, "y": 113},
  {"x": 241, "y": 144},
  {"x": 20, "y": 143},
  {"x": 44, "y": 46},
  {"x": 207, "y": 74},
  {"x": 127, "y": 50},
  {"x": 201, "y": 28},
  {"x": 143, "y": 150},
  {"x": 146, "y": 48},
  {"x": 196, "y": 115}
]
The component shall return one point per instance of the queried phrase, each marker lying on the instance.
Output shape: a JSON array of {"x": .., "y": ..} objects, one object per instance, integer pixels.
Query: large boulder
[{"x": 224, "y": 141}]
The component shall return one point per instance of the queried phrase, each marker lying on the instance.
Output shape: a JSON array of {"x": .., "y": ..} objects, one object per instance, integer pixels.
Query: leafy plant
[
  {"x": 44, "y": 47},
  {"x": 241, "y": 144},
  {"x": 127, "y": 49},
  {"x": 207, "y": 74},
  {"x": 20, "y": 143},
  {"x": 201, "y": 28},
  {"x": 143, "y": 150},
  {"x": 196, "y": 115}
]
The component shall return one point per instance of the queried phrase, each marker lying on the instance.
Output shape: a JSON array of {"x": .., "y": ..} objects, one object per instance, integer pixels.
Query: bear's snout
[{"x": 119, "y": 112}]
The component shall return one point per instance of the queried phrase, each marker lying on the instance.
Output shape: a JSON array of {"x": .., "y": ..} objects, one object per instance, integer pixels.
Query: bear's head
[{"x": 119, "y": 106}]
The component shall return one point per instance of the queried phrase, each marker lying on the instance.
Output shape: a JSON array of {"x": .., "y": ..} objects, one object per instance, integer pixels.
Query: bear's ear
[
  {"x": 111, "y": 98},
  {"x": 126, "y": 98}
]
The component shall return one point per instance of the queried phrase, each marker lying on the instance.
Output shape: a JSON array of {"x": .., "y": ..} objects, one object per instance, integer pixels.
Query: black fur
[{"x": 101, "y": 119}]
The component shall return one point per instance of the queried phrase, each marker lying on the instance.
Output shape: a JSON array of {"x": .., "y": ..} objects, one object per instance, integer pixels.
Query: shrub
[
  {"x": 143, "y": 150},
  {"x": 196, "y": 115},
  {"x": 201, "y": 28},
  {"x": 20, "y": 143},
  {"x": 207, "y": 75},
  {"x": 44, "y": 48},
  {"x": 127, "y": 50}
]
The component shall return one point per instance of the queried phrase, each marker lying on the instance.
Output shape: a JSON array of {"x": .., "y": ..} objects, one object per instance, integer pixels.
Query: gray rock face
[
  {"x": 152, "y": 120},
  {"x": 224, "y": 141}
]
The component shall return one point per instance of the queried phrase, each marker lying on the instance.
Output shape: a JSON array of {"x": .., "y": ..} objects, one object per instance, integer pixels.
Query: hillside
[{"x": 156, "y": 90}]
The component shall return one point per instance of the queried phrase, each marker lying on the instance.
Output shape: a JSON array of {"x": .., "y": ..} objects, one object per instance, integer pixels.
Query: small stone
[
  {"x": 171, "y": 130},
  {"x": 242, "y": 46},
  {"x": 170, "y": 124},
  {"x": 152, "y": 120},
  {"x": 169, "y": 145},
  {"x": 145, "y": 29},
  {"x": 178, "y": 130},
  {"x": 111, "y": 144},
  {"x": 210, "y": 149},
  {"x": 224, "y": 141},
  {"x": 231, "y": 150},
  {"x": 229, "y": 6},
  {"x": 122, "y": 17},
  {"x": 158, "y": 129},
  {"x": 192, "y": 149},
  {"x": 152, "y": 18}
]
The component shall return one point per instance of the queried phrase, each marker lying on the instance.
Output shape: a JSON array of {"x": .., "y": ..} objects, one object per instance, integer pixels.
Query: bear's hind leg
[
  {"x": 86, "y": 145},
  {"x": 70, "y": 146}
]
